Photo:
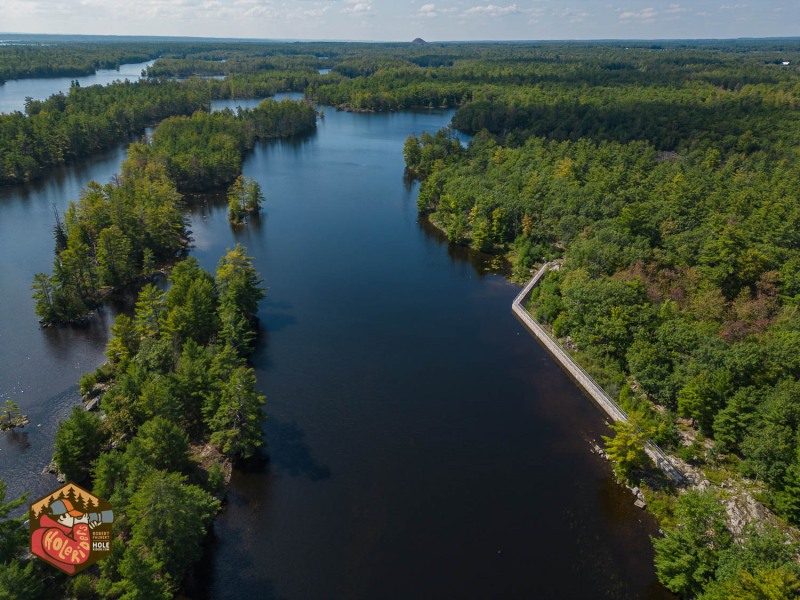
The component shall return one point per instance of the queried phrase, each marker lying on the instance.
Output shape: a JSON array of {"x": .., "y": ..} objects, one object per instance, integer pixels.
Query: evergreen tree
[
  {"x": 236, "y": 424},
  {"x": 169, "y": 520},
  {"x": 13, "y": 535},
  {"x": 688, "y": 554},
  {"x": 78, "y": 441},
  {"x": 21, "y": 581}
]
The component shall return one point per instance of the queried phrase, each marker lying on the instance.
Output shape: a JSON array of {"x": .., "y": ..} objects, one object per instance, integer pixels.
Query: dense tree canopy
[{"x": 177, "y": 391}]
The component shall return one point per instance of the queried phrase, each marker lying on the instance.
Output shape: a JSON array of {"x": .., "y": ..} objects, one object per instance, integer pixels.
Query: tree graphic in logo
[{"x": 71, "y": 528}]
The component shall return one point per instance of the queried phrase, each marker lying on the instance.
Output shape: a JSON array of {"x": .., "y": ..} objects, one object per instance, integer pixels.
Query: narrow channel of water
[{"x": 421, "y": 443}]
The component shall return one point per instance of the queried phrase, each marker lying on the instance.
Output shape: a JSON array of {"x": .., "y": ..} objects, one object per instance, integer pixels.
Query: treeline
[
  {"x": 68, "y": 60},
  {"x": 205, "y": 151},
  {"x": 125, "y": 229},
  {"x": 43, "y": 56},
  {"x": 568, "y": 90},
  {"x": 697, "y": 113},
  {"x": 234, "y": 63},
  {"x": 260, "y": 85},
  {"x": 380, "y": 92},
  {"x": 111, "y": 236},
  {"x": 179, "y": 404},
  {"x": 67, "y": 127},
  {"x": 681, "y": 274}
]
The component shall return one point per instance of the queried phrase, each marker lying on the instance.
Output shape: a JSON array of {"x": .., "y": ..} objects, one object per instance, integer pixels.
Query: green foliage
[
  {"x": 13, "y": 536},
  {"x": 67, "y": 127},
  {"x": 781, "y": 583},
  {"x": 18, "y": 582},
  {"x": 169, "y": 520},
  {"x": 81, "y": 587},
  {"x": 665, "y": 188},
  {"x": 244, "y": 197},
  {"x": 240, "y": 292},
  {"x": 78, "y": 441},
  {"x": 626, "y": 448},
  {"x": 759, "y": 549},
  {"x": 175, "y": 389},
  {"x": 87, "y": 383},
  {"x": 34, "y": 60},
  {"x": 11, "y": 416},
  {"x": 205, "y": 151},
  {"x": 216, "y": 479},
  {"x": 689, "y": 553},
  {"x": 236, "y": 424},
  {"x": 140, "y": 577},
  {"x": 161, "y": 444},
  {"x": 124, "y": 342},
  {"x": 119, "y": 231},
  {"x": 110, "y": 229}
]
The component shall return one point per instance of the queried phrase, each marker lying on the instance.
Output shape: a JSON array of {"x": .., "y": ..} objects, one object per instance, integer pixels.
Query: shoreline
[{"x": 585, "y": 381}]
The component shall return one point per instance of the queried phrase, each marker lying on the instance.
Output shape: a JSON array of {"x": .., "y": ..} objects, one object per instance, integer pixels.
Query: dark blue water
[
  {"x": 40, "y": 368},
  {"x": 421, "y": 443}
]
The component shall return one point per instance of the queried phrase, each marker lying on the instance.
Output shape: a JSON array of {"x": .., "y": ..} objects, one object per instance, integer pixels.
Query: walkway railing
[{"x": 586, "y": 381}]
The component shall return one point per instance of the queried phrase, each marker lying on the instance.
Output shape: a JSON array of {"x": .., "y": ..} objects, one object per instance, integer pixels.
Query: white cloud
[
  {"x": 492, "y": 10},
  {"x": 427, "y": 11},
  {"x": 357, "y": 7},
  {"x": 646, "y": 15},
  {"x": 572, "y": 15},
  {"x": 674, "y": 9}
]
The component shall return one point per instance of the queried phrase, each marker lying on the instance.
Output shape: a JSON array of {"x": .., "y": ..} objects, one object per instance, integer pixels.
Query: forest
[
  {"x": 671, "y": 200},
  {"x": 661, "y": 176},
  {"x": 67, "y": 127},
  {"x": 123, "y": 231},
  {"x": 179, "y": 405}
]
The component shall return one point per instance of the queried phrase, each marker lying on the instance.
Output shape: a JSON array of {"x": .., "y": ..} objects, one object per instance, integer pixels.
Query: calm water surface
[
  {"x": 14, "y": 92},
  {"x": 39, "y": 369},
  {"x": 421, "y": 443}
]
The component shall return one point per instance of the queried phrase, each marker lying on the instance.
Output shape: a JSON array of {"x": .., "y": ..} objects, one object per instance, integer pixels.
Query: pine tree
[
  {"x": 236, "y": 425},
  {"x": 13, "y": 536}
]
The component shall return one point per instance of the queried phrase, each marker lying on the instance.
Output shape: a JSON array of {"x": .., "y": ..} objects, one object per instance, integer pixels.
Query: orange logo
[{"x": 71, "y": 529}]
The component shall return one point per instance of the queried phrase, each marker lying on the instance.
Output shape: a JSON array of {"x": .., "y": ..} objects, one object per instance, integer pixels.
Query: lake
[{"x": 420, "y": 442}]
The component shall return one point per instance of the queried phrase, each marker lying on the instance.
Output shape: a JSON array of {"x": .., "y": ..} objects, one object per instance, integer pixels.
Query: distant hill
[{"x": 419, "y": 41}]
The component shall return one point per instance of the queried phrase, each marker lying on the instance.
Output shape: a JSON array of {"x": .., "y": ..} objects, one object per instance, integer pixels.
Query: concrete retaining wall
[{"x": 589, "y": 385}]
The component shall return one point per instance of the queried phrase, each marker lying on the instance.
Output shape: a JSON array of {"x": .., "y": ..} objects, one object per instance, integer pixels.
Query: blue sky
[{"x": 403, "y": 20}]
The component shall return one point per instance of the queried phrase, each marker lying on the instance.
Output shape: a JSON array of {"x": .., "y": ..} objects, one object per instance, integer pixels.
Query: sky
[{"x": 404, "y": 20}]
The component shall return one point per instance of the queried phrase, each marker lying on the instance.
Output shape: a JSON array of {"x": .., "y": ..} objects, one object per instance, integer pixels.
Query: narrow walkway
[{"x": 589, "y": 385}]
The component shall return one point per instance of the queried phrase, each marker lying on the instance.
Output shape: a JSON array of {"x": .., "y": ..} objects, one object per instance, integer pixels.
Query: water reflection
[{"x": 289, "y": 453}]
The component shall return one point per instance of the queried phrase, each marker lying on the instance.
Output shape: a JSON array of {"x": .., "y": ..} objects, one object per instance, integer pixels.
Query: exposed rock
[
  {"x": 639, "y": 503},
  {"x": 93, "y": 404},
  {"x": 743, "y": 510}
]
